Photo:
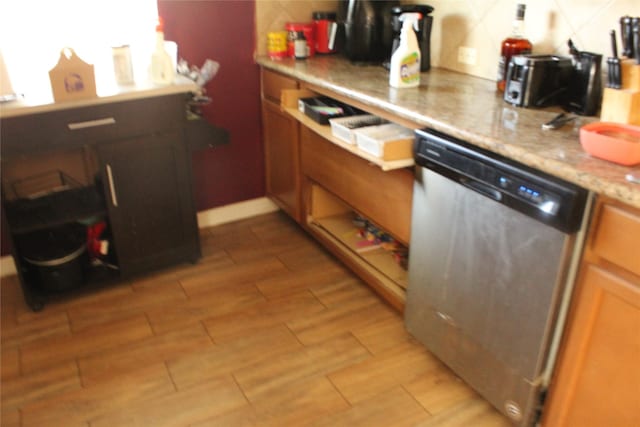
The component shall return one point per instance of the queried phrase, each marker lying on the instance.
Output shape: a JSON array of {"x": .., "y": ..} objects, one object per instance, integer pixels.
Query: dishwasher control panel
[
  {"x": 543, "y": 199},
  {"x": 541, "y": 196}
]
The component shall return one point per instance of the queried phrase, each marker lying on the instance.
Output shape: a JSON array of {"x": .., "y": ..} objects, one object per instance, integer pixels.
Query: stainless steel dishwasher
[{"x": 494, "y": 246}]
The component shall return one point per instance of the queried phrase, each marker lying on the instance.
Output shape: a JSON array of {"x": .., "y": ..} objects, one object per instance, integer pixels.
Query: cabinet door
[
  {"x": 149, "y": 195},
  {"x": 282, "y": 158},
  {"x": 598, "y": 381}
]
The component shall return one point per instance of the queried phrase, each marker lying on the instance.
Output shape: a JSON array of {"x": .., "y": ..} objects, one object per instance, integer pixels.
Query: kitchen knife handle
[
  {"x": 636, "y": 39},
  {"x": 614, "y": 46},
  {"x": 626, "y": 36}
]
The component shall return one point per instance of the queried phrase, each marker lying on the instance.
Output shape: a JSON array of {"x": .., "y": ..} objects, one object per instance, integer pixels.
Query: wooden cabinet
[
  {"x": 133, "y": 165},
  {"x": 280, "y": 135},
  {"x": 325, "y": 184},
  {"x": 151, "y": 209},
  {"x": 338, "y": 186},
  {"x": 597, "y": 379},
  {"x": 382, "y": 196}
]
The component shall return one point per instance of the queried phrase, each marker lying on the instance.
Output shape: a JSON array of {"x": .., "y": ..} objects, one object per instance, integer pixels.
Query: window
[{"x": 33, "y": 33}]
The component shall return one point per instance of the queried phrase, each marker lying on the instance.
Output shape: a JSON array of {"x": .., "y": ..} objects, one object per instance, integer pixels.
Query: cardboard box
[{"x": 72, "y": 78}]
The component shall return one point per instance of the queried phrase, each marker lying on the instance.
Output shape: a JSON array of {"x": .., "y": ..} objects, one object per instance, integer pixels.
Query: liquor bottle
[{"x": 515, "y": 44}]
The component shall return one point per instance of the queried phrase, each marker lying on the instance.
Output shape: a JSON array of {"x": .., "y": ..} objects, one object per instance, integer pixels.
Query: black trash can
[{"x": 56, "y": 258}]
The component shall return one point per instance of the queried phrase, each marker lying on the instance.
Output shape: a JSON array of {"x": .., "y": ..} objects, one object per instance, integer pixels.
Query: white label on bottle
[
  {"x": 410, "y": 68},
  {"x": 300, "y": 48},
  {"x": 501, "y": 70}
]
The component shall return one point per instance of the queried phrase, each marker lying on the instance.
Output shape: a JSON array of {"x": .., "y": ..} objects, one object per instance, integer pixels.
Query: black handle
[
  {"x": 481, "y": 188},
  {"x": 626, "y": 36},
  {"x": 614, "y": 46},
  {"x": 636, "y": 39}
]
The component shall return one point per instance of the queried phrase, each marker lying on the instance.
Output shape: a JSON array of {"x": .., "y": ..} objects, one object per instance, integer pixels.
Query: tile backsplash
[
  {"x": 272, "y": 15},
  {"x": 482, "y": 24}
]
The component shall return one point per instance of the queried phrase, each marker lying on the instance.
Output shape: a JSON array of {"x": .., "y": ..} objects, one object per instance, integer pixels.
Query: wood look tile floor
[{"x": 267, "y": 329}]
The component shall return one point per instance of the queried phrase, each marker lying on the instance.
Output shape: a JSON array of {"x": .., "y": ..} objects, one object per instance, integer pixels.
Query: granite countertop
[
  {"x": 107, "y": 92},
  {"x": 471, "y": 109}
]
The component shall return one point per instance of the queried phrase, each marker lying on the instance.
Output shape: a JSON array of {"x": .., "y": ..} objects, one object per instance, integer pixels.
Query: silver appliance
[
  {"x": 493, "y": 243},
  {"x": 537, "y": 80}
]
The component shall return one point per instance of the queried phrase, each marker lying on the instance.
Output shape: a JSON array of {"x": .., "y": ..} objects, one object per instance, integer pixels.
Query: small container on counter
[
  {"x": 122, "y": 65},
  {"x": 325, "y": 31},
  {"x": 307, "y": 30},
  {"x": 277, "y": 44},
  {"x": 300, "y": 48}
]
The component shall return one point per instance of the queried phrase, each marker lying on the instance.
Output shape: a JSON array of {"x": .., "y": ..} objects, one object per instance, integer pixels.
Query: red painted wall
[{"x": 223, "y": 30}]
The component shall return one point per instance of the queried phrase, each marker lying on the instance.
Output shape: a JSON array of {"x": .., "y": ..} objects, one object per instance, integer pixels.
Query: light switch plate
[{"x": 467, "y": 55}]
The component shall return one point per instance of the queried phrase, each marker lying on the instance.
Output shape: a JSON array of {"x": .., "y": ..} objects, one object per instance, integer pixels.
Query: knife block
[
  {"x": 630, "y": 72},
  {"x": 623, "y": 105}
]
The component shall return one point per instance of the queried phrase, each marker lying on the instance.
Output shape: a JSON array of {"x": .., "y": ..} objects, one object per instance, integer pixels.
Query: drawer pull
[
  {"x": 92, "y": 123},
  {"x": 112, "y": 188}
]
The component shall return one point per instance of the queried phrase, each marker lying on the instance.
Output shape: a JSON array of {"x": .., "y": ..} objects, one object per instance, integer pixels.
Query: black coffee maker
[
  {"x": 423, "y": 35},
  {"x": 584, "y": 93},
  {"x": 364, "y": 29}
]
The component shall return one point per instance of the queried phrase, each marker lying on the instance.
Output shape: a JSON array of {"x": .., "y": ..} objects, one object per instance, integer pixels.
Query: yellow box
[{"x": 72, "y": 78}]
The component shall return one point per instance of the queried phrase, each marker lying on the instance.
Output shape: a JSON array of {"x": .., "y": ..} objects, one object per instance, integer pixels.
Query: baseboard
[
  {"x": 235, "y": 212},
  {"x": 7, "y": 266},
  {"x": 208, "y": 218}
]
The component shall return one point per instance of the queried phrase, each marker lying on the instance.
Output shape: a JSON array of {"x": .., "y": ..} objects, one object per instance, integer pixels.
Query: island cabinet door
[{"x": 147, "y": 185}]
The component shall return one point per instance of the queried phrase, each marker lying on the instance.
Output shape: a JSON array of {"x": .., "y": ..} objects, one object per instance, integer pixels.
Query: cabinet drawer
[
  {"x": 274, "y": 83},
  {"x": 69, "y": 128},
  {"x": 383, "y": 197},
  {"x": 617, "y": 236}
]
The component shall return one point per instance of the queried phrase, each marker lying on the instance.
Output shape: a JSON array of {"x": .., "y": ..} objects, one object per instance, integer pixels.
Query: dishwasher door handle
[{"x": 482, "y": 188}]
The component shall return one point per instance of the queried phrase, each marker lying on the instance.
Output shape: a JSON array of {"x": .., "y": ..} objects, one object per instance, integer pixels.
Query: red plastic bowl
[{"x": 615, "y": 142}]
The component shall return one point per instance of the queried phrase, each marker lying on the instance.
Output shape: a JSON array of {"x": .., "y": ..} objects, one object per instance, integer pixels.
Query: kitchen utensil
[
  {"x": 293, "y": 29},
  {"x": 614, "y": 77},
  {"x": 558, "y": 121},
  {"x": 423, "y": 34},
  {"x": 626, "y": 36},
  {"x": 633, "y": 177},
  {"x": 573, "y": 50},
  {"x": 366, "y": 27},
  {"x": 537, "y": 80},
  {"x": 615, "y": 142},
  {"x": 584, "y": 87},
  {"x": 325, "y": 29},
  {"x": 636, "y": 39}
]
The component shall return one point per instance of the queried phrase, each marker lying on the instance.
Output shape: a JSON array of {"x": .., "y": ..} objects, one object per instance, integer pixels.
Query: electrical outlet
[{"x": 467, "y": 55}]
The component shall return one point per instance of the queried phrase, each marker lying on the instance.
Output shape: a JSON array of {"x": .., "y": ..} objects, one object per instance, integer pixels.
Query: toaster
[{"x": 537, "y": 80}]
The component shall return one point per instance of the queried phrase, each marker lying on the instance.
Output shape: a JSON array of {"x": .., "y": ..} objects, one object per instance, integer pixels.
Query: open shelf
[
  {"x": 325, "y": 132},
  {"x": 331, "y": 221},
  {"x": 289, "y": 101},
  {"x": 26, "y": 215},
  {"x": 345, "y": 232}
]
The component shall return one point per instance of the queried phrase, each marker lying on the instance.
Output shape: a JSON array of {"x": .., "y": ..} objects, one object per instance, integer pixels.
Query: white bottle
[
  {"x": 405, "y": 60},
  {"x": 161, "y": 70}
]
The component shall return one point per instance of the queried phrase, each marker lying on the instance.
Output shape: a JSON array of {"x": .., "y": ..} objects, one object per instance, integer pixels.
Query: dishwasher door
[{"x": 484, "y": 284}]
